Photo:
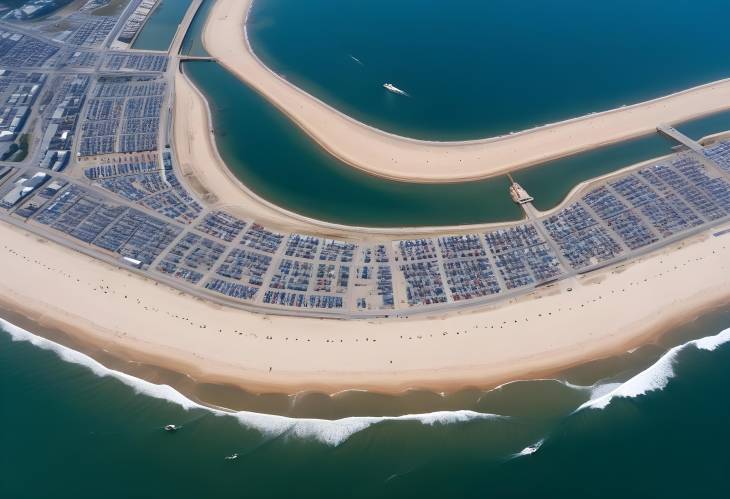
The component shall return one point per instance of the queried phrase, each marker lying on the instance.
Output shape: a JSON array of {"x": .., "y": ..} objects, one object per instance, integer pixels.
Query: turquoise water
[
  {"x": 485, "y": 67},
  {"x": 159, "y": 30},
  {"x": 69, "y": 433}
]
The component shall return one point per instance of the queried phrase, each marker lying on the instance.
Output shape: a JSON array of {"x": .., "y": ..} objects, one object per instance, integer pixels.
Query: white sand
[
  {"x": 141, "y": 320},
  {"x": 402, "y": 158}
]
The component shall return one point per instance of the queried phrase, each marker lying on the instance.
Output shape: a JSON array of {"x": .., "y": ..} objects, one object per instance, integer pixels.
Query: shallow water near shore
[{"x": 91, "y": 433}]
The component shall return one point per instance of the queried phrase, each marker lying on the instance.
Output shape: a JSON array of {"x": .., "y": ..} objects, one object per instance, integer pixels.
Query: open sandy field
[
  {"x": 401, "y": 158},
  {"x": 575, "y": 320}
]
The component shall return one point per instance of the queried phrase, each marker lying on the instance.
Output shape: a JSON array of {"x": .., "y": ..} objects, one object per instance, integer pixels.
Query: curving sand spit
[
  {"x": 205, "y": 172},
  {"x": 391, "y": 156},
  {"x": 580, "y": 319}
]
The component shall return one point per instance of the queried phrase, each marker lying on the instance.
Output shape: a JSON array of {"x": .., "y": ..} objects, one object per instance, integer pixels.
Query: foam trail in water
[
  {"x": 655, "y": 377},
  {"x": 330, "y": 432}
]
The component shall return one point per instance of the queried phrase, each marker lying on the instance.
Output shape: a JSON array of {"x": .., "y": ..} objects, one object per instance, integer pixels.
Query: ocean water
[
  {"x": 651, "y": 423},
  {"x": 478, "y": 68}
]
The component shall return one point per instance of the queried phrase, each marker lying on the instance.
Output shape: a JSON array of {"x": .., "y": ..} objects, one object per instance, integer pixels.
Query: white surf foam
[
  {"x": 655, "y": 377},
  {"x": 330, "y": 432}
]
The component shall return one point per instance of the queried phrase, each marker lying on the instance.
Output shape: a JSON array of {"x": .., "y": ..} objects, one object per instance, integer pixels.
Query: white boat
[
  {"x": 171, "y": 427},
  {"x": 530, "y": 449},
  {"x": 392, "y": 88},
  {"x": 232, "y": 457}
]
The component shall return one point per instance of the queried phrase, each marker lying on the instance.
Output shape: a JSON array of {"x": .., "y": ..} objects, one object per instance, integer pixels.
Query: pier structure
[
  {"x": 518, "y": 193},
  {"x": 676, "y": 135},
  {"x": 183, "y": 28},
  {"x": 184, "y": 58}
]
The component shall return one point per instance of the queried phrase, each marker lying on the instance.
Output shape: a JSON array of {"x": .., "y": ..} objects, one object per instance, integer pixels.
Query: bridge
[
  {"x": 183, "y": 27},
  {"x": 676, "y": 135}
]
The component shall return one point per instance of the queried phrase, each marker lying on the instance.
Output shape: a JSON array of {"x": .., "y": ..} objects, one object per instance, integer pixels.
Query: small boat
[
  {"x": 392, "y": 88},
  {"x": 171, "y": 427},
  {"x": 530, "y": 449},
  {"x": 232, "y": 457}
]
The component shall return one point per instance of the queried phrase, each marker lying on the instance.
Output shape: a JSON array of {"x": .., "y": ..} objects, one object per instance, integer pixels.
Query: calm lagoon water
[
  {"x": 160, "y": 28},
  {"x": 278, "y": 161}
]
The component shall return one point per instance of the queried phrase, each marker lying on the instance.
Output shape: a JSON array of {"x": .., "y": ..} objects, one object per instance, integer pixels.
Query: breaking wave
[
  {"x": 655, "y": 377},
  {"x": 330, "y": 432}
]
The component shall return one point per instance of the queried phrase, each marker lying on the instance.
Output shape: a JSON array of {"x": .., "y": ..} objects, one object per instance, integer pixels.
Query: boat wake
[
  {"x": 655, "y": 377},
  {"x": 330, "y": 432}
]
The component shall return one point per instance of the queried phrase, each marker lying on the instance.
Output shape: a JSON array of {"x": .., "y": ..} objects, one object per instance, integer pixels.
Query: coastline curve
[{"x": 400, "y": 158}]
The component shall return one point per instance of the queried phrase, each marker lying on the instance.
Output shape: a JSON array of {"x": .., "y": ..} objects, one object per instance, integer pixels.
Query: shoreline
[
  {"x": 234, "y": 398},
  {"x": 400, "y": 158},
  {"x": 96, "y": 304},
  {"x": 209, "y": 177}
]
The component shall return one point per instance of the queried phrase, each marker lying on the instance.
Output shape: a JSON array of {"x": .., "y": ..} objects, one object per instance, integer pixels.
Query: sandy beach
[
  {"x": 558, "y": 326},
  {"x": 401, "y": 158}
]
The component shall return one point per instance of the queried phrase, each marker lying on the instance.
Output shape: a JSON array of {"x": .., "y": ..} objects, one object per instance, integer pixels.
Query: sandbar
[{"x": 401, "y": 158}]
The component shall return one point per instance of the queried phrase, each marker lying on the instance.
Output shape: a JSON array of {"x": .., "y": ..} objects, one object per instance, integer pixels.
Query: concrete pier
[{"x": 676, "y": 135}]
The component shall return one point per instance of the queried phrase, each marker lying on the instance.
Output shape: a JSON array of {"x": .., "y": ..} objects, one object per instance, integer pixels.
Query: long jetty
[{"x": 678, "y": 136}]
